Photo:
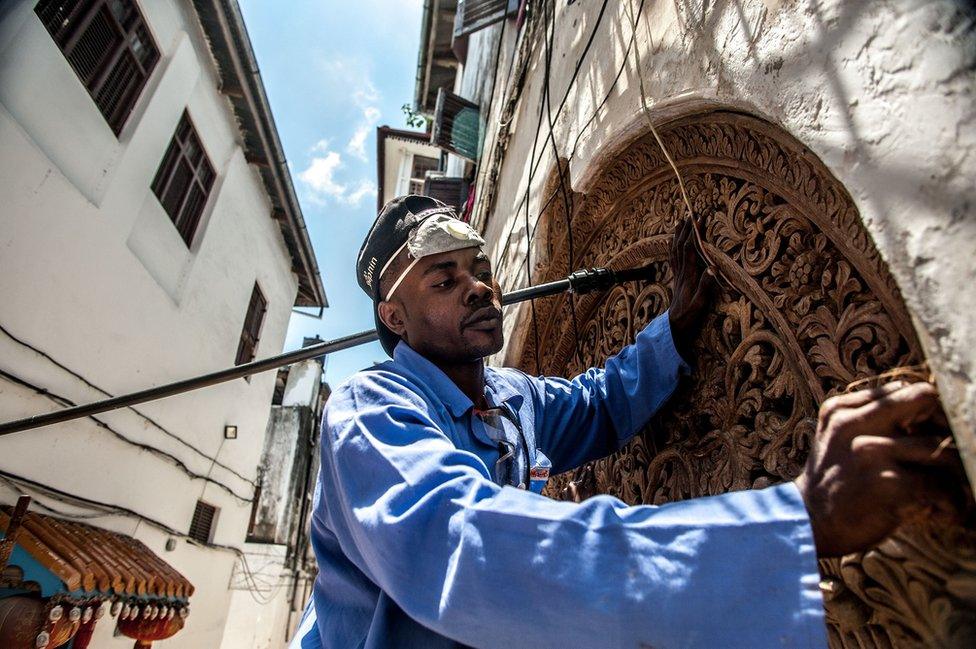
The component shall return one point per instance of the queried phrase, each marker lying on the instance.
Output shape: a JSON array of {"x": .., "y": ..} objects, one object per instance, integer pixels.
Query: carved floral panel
[{"x": 811, "y": 308}]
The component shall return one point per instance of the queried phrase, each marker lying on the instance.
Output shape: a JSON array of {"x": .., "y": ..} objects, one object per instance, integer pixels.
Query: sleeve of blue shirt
[
  {"x": 501, "y": 567},
  {"x": 597, "y": 412}
]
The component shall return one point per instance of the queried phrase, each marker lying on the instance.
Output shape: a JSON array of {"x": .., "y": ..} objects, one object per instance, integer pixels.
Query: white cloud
[
  {"x": 366, "y": 93},
  {"x": 320, "y": 147},
  {"x": 320, "y": 178},
  {"x": 364, "y": 189},
  {"x": 351, "y": 76},
  {"x": 320, "y": 175},
  {"x": 357, "y": 143}
]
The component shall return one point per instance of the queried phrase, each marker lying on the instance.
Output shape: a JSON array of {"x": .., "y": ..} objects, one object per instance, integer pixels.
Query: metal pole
[
  {"x": 581, "y": 281},
  {"x": 186, "y": 385}
]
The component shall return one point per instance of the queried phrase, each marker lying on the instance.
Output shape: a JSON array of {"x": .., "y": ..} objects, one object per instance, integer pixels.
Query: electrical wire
[
  {"x": 525, "y": 199},
  {"x": 91, "y": 385},
  {"x": 64, "y": 401},
  {"x": 494, "y": 82},
  {"x": 118, "y": 510},
  {"x": 699, "y": 242},
  {"x": 110, "y": 509},
  {"x": 528, "y": 250},
  {"x": 567, "y": 200}
]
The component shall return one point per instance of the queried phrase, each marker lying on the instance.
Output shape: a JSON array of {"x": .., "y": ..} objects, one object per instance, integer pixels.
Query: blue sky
[{"x": 333, "y": 72}]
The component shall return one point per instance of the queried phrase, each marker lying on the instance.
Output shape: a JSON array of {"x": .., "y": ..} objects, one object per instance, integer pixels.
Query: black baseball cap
[{"x": 389, "y": 235}]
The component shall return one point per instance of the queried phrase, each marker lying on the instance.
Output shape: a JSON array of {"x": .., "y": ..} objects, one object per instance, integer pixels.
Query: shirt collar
[
  {"x": 447, "y": 390},
  {"x": 499, "y": 391}
]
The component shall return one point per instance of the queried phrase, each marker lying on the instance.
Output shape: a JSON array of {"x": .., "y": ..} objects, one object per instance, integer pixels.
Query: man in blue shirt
[{"x": 428, "y": 526}]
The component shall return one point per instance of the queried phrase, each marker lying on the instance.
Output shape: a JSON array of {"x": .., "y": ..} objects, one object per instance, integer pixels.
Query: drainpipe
[{"x": 426, "y": 22}]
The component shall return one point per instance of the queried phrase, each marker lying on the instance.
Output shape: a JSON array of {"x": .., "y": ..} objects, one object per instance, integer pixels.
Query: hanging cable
[
  {"x": 118, "y": 510},
  {"x": 91, "y": 385},
  {"x": 567, "y": 200},
  {"x": 528, "y": 252},
  {"x": 491, "y": 93},
  {"x": 699, "y": 242},
  {"x": 525, "y": 199},
  {"x": 62, "y": 401}
]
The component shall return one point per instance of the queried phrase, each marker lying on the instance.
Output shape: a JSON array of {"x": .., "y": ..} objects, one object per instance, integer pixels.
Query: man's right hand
[{"x": 874, "y": 461}]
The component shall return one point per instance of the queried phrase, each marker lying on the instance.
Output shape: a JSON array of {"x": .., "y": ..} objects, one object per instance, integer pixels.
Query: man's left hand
[{"x": 692, "y": 287}]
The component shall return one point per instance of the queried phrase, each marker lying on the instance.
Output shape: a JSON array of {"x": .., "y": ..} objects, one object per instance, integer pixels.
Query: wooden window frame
[
  {"x": 473, "y": 15},
  {"x": 185, "y": 153},
  {"x": 116, "y": 74},
  {"x": 452, "y": 191},
  {"x": 257, "y": 307},
  {"x": 417, "y": 181},
  {"x": 462, "y": 137}
]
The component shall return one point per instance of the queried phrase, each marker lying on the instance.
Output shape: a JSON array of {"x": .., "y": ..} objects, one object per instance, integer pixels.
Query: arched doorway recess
[{"x": 813, "y": 307}]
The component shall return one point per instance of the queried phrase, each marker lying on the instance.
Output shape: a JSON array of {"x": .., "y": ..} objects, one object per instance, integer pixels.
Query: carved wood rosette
[{"x": 811, "y": 308}]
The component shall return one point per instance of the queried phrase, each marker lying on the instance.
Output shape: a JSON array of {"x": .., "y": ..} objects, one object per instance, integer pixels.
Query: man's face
[{"x": 448, "y": 307}]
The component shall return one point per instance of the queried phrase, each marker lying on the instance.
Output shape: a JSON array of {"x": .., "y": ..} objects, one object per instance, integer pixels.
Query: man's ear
[{"x": 391, "y": 314}]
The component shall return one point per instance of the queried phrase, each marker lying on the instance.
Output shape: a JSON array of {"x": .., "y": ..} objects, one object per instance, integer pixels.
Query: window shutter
[
  {"x": 451, "y": 191},
  {"x": 251, "y": 331},
  {"x": 184, "y": 179},
  {"x": 473, "y": 15},
  {"x": 201, "y": 527},
  {"x": 457, "y": 125},
  {"x": 109, "y": 47}
]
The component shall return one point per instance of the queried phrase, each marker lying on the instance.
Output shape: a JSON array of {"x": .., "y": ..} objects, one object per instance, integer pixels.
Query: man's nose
[{"x": 477, "y": 291}]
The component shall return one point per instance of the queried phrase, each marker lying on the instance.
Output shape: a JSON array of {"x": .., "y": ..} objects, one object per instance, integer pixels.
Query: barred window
[
  {"x": 109, "y": 46},
  {"x": 252, "y": 327},
  {"x": 418, "y": 172},
  {"x": 184, "y": 179}
]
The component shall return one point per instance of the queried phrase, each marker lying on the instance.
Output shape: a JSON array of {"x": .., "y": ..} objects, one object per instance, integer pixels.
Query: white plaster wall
[
  {"x": 93, "y": 273},
  {"x": 260, "y": 603},
  {"x": 398, "y": 157},
  {"x": 882, "y": 91},
  {"x": 303, "y": 384}
]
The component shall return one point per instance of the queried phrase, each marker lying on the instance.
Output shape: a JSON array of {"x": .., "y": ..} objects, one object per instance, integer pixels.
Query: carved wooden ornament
[{"x": 812, "y": 308}]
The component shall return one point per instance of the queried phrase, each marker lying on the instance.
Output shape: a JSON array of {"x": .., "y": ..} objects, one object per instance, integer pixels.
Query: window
[
  {"x": 109, "y": 46},
  {"x": 457, "y": 125},
  {"x": 201, "y": 527},
  {"x": 184, "y": 179},
  {"x": 418, "y": 172},
  {"x": 450, "y": 191},
  {"x": 473, "y": 15},
  {"x": 252, "y": 327}
]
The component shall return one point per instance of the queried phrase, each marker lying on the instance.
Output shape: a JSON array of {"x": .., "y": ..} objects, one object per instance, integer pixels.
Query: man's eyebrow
[{"x": 444, "y": 265}]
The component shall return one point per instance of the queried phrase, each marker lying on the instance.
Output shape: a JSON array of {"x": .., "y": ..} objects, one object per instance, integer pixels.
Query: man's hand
[
  {"x": 875, "y": 460},
  {"x": 691, "y": 286}
]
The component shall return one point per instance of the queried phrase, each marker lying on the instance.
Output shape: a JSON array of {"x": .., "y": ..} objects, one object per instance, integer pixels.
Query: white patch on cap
[
  {"x": 458, "y": 230},
  {"x": 438, "y": 233}
]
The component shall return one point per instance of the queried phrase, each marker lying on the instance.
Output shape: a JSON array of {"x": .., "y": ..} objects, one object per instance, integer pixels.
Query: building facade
[
  {"x": 267, "y": 604},
  {"x": 827, "y": 151},
  {"x": 150, "y": 232}
]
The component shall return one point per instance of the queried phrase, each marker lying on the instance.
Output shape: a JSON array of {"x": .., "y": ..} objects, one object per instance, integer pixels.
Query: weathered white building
[
  {"x": 267, "y": 605},
  {"x": 828, "y": 149},
  {"x": 407, "y": 163},
  {"x": 149, "y": 232}
]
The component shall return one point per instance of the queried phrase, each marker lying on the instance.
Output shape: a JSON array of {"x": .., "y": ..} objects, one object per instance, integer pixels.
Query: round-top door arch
[{"x": 810, "y": 308}]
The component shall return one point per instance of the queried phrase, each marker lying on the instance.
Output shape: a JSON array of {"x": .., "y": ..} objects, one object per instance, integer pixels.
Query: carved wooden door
[{"x": 812, "y": 308}]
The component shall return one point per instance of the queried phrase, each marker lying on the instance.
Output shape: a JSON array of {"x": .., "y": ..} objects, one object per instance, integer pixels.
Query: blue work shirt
[{"x": 419, "y": 547}]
